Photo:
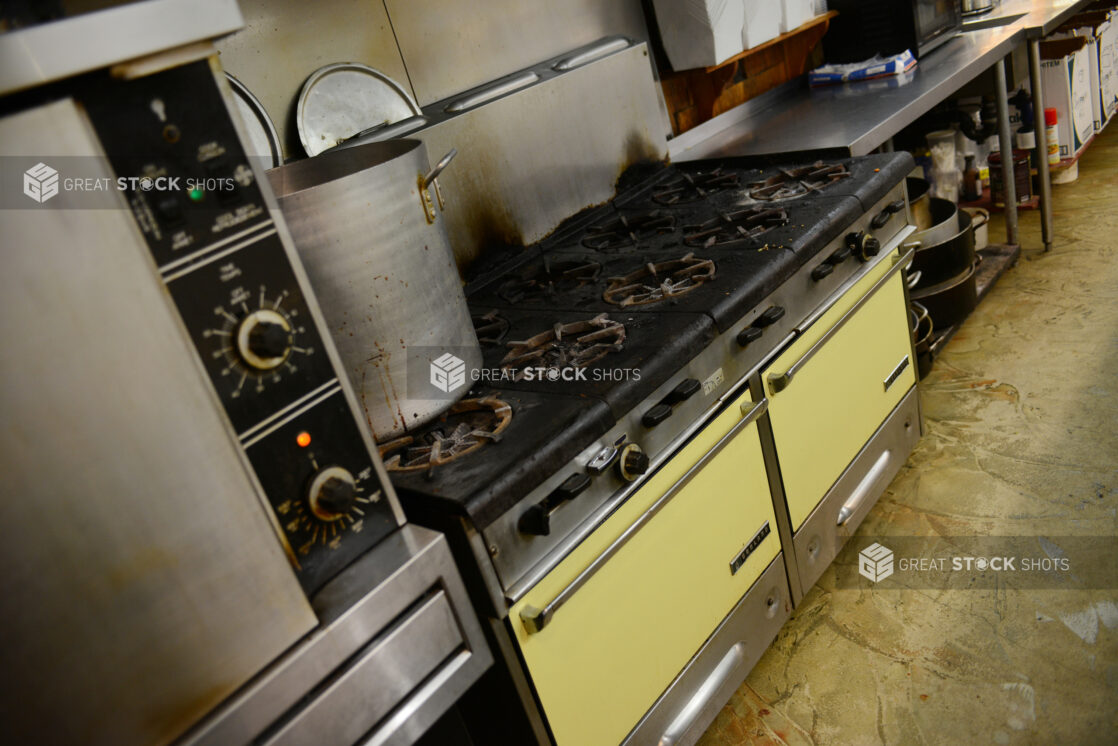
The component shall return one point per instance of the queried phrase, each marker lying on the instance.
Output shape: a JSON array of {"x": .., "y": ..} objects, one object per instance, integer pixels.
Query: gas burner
[
  {"x": 692, "y": 187},
  {"x": 573, "y": 345},
  {"x": 653, "y": 283},
  {"x": 796, "y": 182},
  {"x": 548, "y": 281},
  {"x": 628, "y": 230},
  {"x": 490, "y": 328},
  {"x": 734, "y": 226},
  {"x": 467, "y": 426}
]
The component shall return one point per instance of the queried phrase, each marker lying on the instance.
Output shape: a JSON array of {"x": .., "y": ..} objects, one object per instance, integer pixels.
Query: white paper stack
[
  {"x": 700, "y": 33},
  {"x": 762, "y": 22},
  {"x": 795, "y": 13}
]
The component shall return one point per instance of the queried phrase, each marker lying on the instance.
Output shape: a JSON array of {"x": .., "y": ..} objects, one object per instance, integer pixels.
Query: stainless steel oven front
[{"x": 199, "y": 539}]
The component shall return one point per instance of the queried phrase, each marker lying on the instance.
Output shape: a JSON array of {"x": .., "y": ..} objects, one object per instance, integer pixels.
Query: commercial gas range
[{"x": 690, "y": 397}]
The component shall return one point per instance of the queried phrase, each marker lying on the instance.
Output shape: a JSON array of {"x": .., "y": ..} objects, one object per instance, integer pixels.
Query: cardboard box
[
  {"x": 1108, "y": 67},
  {"x": 1101, "y": 31},
  {"x": 1066, "y": 81},
  {"x": 762, "y": 22},
  {"x": 795, "y": 13},
  {"x": 700, "y": 33}
]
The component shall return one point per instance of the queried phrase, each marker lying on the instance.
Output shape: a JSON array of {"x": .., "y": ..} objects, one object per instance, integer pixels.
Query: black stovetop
[{"x": 681, "y": 220}]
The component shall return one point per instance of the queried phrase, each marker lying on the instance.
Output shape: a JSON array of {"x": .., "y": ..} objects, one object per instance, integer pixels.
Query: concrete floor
[{"x": 1021, "y": 413}]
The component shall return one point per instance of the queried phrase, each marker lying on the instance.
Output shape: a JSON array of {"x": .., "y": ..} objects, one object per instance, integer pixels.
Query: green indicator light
[{"x": 196, "y": 194}]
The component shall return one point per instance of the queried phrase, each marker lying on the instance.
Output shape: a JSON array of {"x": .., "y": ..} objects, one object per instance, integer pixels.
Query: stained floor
[{"x": 1021, "y": 415}]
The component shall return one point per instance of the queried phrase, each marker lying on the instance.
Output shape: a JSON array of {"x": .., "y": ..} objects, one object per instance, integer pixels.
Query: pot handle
[
  {"x": 913, "y": 279},
  {"x": 979, "y": 214},
  {"x": 438, "y": 168},
  {"x": 921, "y": 312},
  {"x": 425, "y": 182}
]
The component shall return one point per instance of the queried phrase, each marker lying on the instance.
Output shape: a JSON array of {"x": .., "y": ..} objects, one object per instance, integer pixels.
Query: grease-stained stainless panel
[
  {"x": 284, "y": 41},
  {"x": 531, "y": 158},
  {"x": 450, "y": 47}
]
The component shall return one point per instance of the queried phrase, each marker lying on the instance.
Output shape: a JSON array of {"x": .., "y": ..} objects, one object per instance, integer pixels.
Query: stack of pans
[{"x": 946, "y": 261}]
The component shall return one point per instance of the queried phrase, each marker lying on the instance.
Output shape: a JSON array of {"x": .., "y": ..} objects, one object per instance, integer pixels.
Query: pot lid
[
  {"x": 340, "y": 100},
  {"x": 263, "y": 140}
]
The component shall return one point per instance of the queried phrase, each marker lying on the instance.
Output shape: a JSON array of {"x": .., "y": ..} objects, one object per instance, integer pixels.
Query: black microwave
[{"x": 867, "y": 27}]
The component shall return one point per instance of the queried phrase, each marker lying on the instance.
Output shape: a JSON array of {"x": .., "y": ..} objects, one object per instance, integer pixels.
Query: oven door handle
[
  {"x": 535, "y": 619},
  {"x": 780, "y": 381}
]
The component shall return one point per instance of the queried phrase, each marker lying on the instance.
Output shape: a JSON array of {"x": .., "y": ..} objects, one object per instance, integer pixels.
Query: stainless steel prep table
[{"x": 861, "y": 117}]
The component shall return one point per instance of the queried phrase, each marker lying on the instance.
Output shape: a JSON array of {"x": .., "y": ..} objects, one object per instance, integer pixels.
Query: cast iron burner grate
[
  {"x": 490, "y": 328},
  {"x": 734, "y": 226},
  {"x": 574, "y": 345},
  {"x": 628, "y": 230},
  {"x": 796, "y": 182},
  {"x": 692, "y": 187},
  {"x": 548, "y": 281},
  {"x": 653, "y": 283},
  {"x": 465, "y": 427}
]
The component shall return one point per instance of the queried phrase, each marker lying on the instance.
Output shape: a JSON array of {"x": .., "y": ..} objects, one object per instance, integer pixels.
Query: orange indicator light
[{"x": 303, "y": 439}]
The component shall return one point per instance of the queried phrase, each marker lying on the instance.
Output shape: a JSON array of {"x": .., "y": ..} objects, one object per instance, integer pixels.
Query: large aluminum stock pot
[{"x": 366, "y": 222}]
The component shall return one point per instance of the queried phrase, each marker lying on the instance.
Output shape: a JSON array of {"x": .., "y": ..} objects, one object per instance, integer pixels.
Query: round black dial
[
  {"x": 264, "y": 339},
  {"x": 332, "y": 493},
  {"x": 634, "y": 462}
]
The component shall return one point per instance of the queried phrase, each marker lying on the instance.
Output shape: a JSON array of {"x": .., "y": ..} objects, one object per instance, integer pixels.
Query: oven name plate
[{"x": 737, "y": 562}]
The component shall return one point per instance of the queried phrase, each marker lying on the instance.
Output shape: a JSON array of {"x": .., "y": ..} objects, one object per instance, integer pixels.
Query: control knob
[
  {"x": 864, "y": 245},
  {"x": 331, "y": 493},
  {"x": 633, "y": 462},
  {"x": 264, "y": 339}
]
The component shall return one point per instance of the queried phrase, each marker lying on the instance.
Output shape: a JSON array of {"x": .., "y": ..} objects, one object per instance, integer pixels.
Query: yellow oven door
[
  {"x": 606, "y": 631},
  {"x": 832, "y": 388}
]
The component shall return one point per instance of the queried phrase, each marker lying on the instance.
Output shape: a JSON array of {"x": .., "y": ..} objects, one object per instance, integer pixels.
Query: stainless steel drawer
[{"x": 383, "y": 674}]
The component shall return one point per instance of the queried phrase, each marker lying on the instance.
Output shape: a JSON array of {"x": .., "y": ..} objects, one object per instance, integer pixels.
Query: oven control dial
[
  {"x": 864, "y": 245},
  {"x": 332, "y": 493},
  {"x": 633, "y": 462},
  {"x": 264, "y": 339}
]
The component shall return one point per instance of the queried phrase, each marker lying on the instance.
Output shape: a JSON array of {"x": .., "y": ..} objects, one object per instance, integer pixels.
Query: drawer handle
[
  {"x": 779, "y": 382},
  {"x": 859, "y": 494},
  {"x": 535, "y": 619},
  {"x": 719, "y": 677}
]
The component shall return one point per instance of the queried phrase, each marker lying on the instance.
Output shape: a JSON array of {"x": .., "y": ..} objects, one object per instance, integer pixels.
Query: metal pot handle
[
  {"x": 913, "y": 279},
  {"x": 438, "y": 169},
  {"x": 425, "y": 181},
  {"x": 979, "y": 213}
]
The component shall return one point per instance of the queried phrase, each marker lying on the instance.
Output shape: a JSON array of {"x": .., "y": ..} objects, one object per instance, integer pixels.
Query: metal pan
[
  {"x": 340, "y": 100},
  {"x": 918, "y": 200},
  {"x": 948, "y": 259},
  {"x": 950, "y": 302},
  {"x": 922, "y": 328},
  {"x": 263, "y": 140},
  {"x": 945, "y": 223}
]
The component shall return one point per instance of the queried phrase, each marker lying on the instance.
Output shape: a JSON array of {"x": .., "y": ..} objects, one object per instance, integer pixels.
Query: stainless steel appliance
[
  {"x": 653, "y": 436},
  {"x": 539, "y": 144},
  {"x": 867, "y": 27},
  {"x": 977, "y": 7},
  {"x": 368, "y": 225},
  {"x": 201, "y": 544}
]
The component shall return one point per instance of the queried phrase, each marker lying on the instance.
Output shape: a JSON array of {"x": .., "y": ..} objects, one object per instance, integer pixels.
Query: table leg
[
  {"x": 1041, "y": 144},
  {"x": 1005, "y": 144}
]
